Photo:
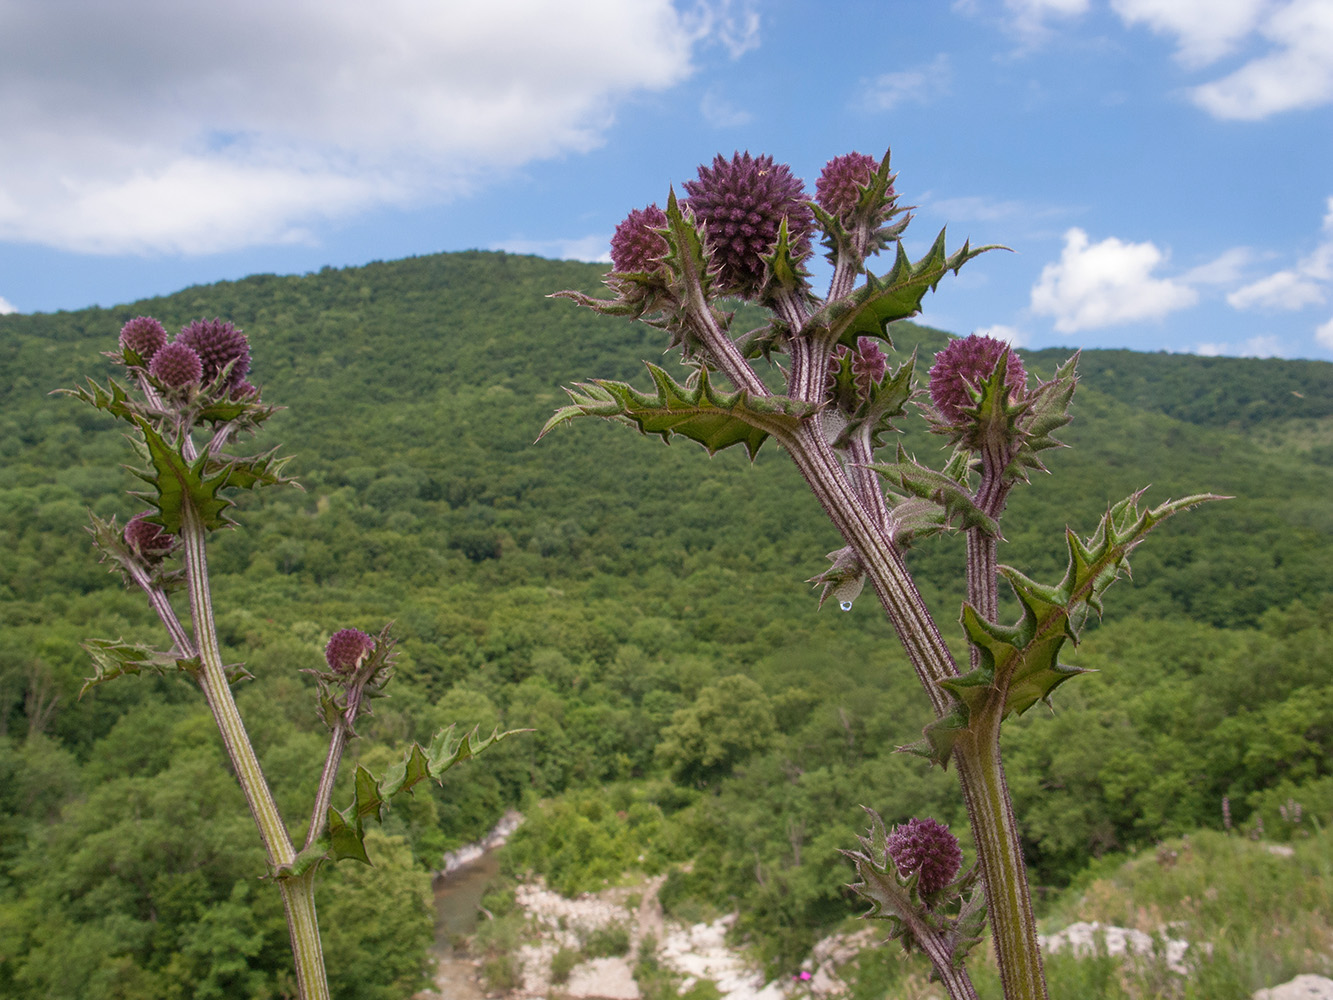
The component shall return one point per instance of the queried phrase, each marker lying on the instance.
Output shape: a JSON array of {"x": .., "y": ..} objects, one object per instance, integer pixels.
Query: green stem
[
  {"x": 299, "y": 901},
  {"x": 319, "y": 815},
  {"x": 980, "y": 770},
  {"x": 1008, "y": 898}
]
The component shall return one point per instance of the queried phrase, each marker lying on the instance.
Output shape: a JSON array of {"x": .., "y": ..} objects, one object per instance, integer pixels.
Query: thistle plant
[
  {"x": 745, "y": 231},
  {"x": 187, "y": 402}
]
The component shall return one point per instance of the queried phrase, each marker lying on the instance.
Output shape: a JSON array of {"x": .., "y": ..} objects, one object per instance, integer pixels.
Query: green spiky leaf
[
  {"x": 944, "y": 489},
  {"x": 176, "y": 481},
  {"x": 114, "y": 399},
  {"x": 700, "y": 412},
  {"x": 870, "y": 309},
  {"x": 1019, "y": 662},
  {"x": 114, "y": 658},
  {"x": 344, "y": 836}
]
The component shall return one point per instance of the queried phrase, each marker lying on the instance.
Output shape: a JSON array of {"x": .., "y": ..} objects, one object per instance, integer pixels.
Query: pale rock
[{"x": 1307, "y": 987}]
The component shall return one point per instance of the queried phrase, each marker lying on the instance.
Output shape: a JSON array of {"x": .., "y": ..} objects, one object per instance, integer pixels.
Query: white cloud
[
  {"x": 1262, "y": 346},
  {"x": 1324, "y": 334},
  {"x": 1029, "y": 17},
  {"x": 5, "y": 307},
  {"x": 1207, "y": 30},
  {"x": 194, "y": 128},
  {"x": 1283, "y": 290},
  {"x": 1306, "y": 284},
  {"x": 1296, "y": 72},
  {"x": 590, "y": 248},
  {"x": 1010, "y": 335},
  {"x": 1103, "y": 284},
  {"x": 721, "y": 113},
  {"x": 1225, "y": 269},
  {"x": 919, "y": 85}
]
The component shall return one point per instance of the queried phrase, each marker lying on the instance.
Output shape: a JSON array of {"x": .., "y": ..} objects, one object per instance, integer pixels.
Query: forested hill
[{"x": 609, "y": 592}]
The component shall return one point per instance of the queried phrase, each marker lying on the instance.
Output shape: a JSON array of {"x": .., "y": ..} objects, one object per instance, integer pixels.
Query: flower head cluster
[
  {"x": 838, "y": 189},
  {"x": 968, "y": 362},
  {"x": 346, "y": 649},
  {"x": 218, "y": 344},
  {"x": 148, "y": 540},
  {"x": 927, "y": 848},
  {"x": 636, "y": 246},
  {"x": 177, "y": 365},
  {"x": 144, "y": 336},
  {"x": 740, "y": 203}
]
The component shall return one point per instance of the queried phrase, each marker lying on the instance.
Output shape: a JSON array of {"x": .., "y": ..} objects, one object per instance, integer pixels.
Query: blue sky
[{"x": 1163, "y": 169}]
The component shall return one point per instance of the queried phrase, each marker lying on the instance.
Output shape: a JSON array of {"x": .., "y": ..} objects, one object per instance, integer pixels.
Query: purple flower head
[
  {"x": 927, "y": 847},
  {"x": 869, "y": 364},
  {"x": 218, "y": 344},
  {"x": 244, "y": 390},
  {"x": 347, "y": 649},
  {"x": 970, "y": 361},
  {"x": 635, "y": 247},
  {"x": 740, "y": 203},
  {"x": 148, "y": 540},
  {"x": 836, "y": 191},
  {"x": 177, "y": 365},
  {"x": 144, "y": 336}
]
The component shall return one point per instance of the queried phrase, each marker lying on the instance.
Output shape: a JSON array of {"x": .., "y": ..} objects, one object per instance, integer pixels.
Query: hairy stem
[
  {"x": 299, "y": 902},
  {"x": 977, "y": 753},
  {"x": 319, "y": 815},
  {"x": 1008, "y": 898}
]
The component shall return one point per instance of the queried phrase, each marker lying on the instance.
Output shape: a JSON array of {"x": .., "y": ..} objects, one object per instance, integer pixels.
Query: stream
[{"x": 458, "y": 899}]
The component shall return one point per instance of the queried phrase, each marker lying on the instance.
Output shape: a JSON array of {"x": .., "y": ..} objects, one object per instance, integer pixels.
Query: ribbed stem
[
  {"x": 298, "y": 894},
  {"x": 1008, "y": 897},
  {"x": 320, "y": 813}
]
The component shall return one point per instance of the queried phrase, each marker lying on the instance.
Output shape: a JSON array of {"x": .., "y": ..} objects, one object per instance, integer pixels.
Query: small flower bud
[
  {"x": 970, "y": 361},
  {"x": 869, "y": 364},
  {"x": 244, "y": 390},
  {"x": 144, "y": 336},
  {"x": 218, "y": 344},
  {"x": 740, "y": 204},
  {"x": 150, "y": 541},
  {"x": 925, "y": 846},
  {"x": 838, "y": 189},
  {"x": 635, "y": 247},
  {"x": 346, "y": 649},
  {"x": 177, "y": 365}
]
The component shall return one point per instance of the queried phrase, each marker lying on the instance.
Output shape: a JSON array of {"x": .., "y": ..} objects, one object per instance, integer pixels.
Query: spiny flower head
[
  {"x": 969, "y": 361},
  {"x": 635, "y": 246},
  {"x": 346, "y": 649},
  {"x": 926, "y": 847},
  {"x": 177, "y": 365},
  {"x": 151, "y": 541},
  {"x": 218, "y": 343},
  {"x": 868, "y": 364},
  {"x": 837, "y": 190},
  {"x": 144, "y": 336},
  {"x": 740, "y": 203}
]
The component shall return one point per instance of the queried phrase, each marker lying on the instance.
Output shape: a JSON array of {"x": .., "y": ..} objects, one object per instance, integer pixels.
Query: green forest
[{"x": 642, "y": 608}]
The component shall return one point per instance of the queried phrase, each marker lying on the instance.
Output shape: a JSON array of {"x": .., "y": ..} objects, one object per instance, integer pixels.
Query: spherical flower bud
[
  {"x": 926, "y": 847},
  {"x": 970, "y": 361},
  {"x": 869, "y": 364},
  {"x": 218, "y": 344},
  {"x": 151, "y": 541},
  {"x": 347, "y": 648},
  {"x": 244, "y": 390},
  {"x": 838, "y": 189},
  {"x": 635, "y": 247},
  {"x": 144, "y": 336},
  {"x": 177, "y": 365},
  {"x": 740, "y": 204}
]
